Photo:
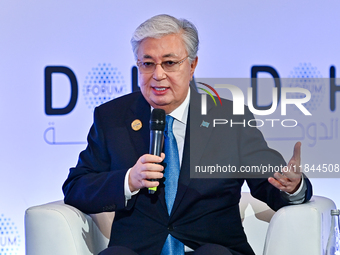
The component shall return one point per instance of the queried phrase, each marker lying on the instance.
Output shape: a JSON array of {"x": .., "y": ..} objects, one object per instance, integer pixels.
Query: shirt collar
[{"x": 181, "y": 112}]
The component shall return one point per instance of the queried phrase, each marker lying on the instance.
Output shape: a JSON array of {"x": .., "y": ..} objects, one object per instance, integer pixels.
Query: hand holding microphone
[
  {"x": 157, "y": 126},
  {"x": 147, "y": 171}
]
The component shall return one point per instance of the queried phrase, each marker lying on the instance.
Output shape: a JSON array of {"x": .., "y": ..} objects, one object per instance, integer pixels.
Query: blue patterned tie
[{"x": 172, "y": 246}]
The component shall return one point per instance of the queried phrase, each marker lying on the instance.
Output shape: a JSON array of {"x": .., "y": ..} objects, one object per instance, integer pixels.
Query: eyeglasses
[{"x": 168, "y": 66}]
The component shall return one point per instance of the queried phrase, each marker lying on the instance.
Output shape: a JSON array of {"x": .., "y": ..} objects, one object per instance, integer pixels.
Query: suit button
[{"x": 170, "y": 228}]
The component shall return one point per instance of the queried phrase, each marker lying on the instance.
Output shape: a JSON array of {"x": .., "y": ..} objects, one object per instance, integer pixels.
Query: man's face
[{"x": 165, "y": 90}]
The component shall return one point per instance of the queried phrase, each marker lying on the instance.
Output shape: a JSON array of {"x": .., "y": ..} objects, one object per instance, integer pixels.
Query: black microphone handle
[
  {"x": 156, "y": 146},
  {"x": 156, "y": 142}
]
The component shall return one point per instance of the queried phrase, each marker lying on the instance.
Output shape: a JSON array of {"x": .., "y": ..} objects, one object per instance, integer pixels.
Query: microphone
[{"x": 157, "y": 126}]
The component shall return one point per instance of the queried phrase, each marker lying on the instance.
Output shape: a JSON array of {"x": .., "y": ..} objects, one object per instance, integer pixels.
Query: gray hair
[{"x": 162, "y": 25}]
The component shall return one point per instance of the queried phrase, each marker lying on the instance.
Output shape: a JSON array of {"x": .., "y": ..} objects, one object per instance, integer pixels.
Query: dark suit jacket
[{"x": 205, "y": 210}]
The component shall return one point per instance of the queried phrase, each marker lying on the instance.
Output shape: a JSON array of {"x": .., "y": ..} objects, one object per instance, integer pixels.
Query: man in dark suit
[{"x": 115, "y": 170}]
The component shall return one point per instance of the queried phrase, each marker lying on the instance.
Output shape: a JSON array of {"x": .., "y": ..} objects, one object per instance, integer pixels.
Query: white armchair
[{"x": 59, "y": 229}]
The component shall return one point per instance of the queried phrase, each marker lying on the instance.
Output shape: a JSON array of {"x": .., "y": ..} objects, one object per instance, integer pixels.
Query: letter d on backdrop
[{"x": 49, "y": 70}]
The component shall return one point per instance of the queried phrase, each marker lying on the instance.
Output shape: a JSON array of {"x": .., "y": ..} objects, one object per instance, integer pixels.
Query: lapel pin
[
  {"x": 205, "y": 124},
  {"x": 136, "y": 124}
]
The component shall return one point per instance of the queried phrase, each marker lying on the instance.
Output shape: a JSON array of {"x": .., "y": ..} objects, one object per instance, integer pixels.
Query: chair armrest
[
  {"x": 59, "y": 229},
  {"x": 300, "y": 229}
]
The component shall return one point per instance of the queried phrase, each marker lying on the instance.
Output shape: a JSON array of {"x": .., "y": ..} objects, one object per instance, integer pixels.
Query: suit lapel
[
  {"x": 193, "y": 131},
  {"x": 140, "y": 139},
  {"x": 198, "y": 133}
]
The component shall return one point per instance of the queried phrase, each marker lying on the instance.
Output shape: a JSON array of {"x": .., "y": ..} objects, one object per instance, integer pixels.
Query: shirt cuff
[
  {"x": 298, "y": 196},
  {"x": 127, "y": 192}
]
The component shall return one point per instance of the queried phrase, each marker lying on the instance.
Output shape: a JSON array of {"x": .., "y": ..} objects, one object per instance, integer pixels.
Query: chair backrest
[
  {"x": 255, "y": 216},
  {"x": 104, "y": 222}
]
